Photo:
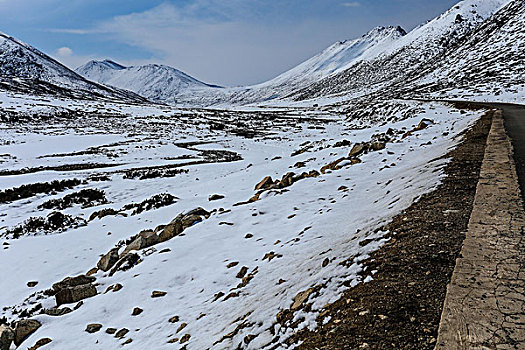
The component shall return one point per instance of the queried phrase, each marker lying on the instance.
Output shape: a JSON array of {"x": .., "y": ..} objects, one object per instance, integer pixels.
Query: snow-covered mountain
[
  {"x": 334, "y": 59},
  {"x": 156, "y": 82},
  {"x": 419, "y": 52},
  {"x": 389, "y": 62},
  {"x": 24, "y": 68}
]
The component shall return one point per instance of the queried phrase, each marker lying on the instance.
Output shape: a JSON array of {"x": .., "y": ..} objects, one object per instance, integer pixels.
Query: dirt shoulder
[{"x": 402, "y": 306}]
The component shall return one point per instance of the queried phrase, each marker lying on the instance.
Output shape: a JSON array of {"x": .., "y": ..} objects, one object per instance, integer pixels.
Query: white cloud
[
  {"x": 351, "y": 4},
  {"x": 64, "y": 52},
  {"x": 223, "y": 42}
]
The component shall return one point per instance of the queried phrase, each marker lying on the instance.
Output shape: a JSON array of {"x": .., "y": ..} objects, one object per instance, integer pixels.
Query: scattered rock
[
  {"x": 121, "y": 333},
  {"x": 299, "y": 165},
  {"x": 242, "y": 272},
  {"x": 185, "y": 338},
  {"x": 111, "y": 330},
  {"x": 357, "y": 150},
  {"x": 57, "y": 312},
  {"x": 181, "y": 327},
  {"x": 92, "y": 271},
  {"x": 158, "y": 294},
  {"x": 107, "y": 261},
  {"x": 93, "y": 327},
  {"x": 40, "y": 343},
  {"x": 117, "y": 287},
  {"x": 215, "y": 197},
  {"x": 32, "y": 284},
  {"x": 271, "y": 255},
  {"x": 174, "y": 319},
  {"x": 128, "y": 341},
  {"x": 103, "y": 213},
  {"x": 171, "y": 230},
  {"x": 7, "y": 335},
  {"x": 301, "y": 298},
  {"x": 24, "y": 329},
  {"x": 265, "y": 183},
  {"x": 377, "y": 145},
  {"x": 136, "y": 311},
  {"x": 332, "y": 166},
  {"x": 232, "y": 264}
]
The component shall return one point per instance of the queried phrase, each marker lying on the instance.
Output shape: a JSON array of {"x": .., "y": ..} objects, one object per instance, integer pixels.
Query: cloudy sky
[{"x": 227, "y": 42}]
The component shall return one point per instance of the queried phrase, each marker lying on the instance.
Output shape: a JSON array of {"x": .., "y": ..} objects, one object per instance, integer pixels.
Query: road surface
[{"x": 514, "y": 117}]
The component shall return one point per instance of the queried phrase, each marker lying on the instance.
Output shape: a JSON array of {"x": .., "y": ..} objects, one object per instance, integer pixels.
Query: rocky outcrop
[
  {"x": 107, "y": 261},
  {"x": 24, "y": 329},
  {"x": 40, "y": 343},
  {"x": 7, "y": 335},
  {"x": 73, "y": 289},
  {"x": 74, "y": 294},
  {"x": 72, "y": 282}
]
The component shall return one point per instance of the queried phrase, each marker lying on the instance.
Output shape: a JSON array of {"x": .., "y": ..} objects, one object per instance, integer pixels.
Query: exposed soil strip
[
  {"x": 401, "y": 307},
  {"x": 27, "y": 191},
  {"x": 67, "y": 167}
]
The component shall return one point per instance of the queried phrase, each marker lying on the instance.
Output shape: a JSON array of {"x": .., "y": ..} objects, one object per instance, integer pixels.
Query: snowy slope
[
  {"x": 290, "y": 240},
  {"x": 24, "y": 68},
  {"x": 155, "y": 82},
  {"x": 421, "y": 49},
  {"x": 489, "y": 65},
  {"x": 334, "y": 59}
]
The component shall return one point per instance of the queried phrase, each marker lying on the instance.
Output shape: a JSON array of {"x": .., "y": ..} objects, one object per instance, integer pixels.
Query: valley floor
[{"x": 253, "y": 268}]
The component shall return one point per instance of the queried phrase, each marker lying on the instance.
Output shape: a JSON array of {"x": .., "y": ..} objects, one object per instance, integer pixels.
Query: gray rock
[
  {"x": 57, "y": 312},
  {"x": 24, "y": 329},
  {"x": 125, "y": 263},
  {"x": 74, "y": 294},
  {"x": 357, "y": 150},
  {"x": 7, "y": 335},
  {"x": 72, "y": 282},
  {"x": 107, "y": 261},
  {"x": 93, "y": 327},
  {"x": 171, "y": 230},
  {"x": 264, "y": 184},
  {"x": 377, "y": 145},
  {"x": 145, "y": 239}
]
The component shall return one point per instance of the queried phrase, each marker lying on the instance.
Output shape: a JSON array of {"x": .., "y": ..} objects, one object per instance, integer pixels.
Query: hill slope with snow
[
  {"x": 156, "y": 82},
  {"x": 26, "y": 69},
  {"x": 424, "y": 50}
]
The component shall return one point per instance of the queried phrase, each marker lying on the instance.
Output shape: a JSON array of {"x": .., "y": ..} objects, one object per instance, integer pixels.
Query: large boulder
[
  {"x": 74, "y": 294},
  {"x": 265, "y": 184},
  {"x": 145, "y": 239},
  {"x": 107, "y": 261},
  {"x": 125, "y": 263},
  {"x": 194, "y": 216},
  {"x": 7, "y": 335},
  {"x": 357, "y": 150},
  {"x": 72, "y": 282},
  {"x": 171, "y": 230},
  {"x": 24, "y": 329},
  {"x": 287, "y": 180}
]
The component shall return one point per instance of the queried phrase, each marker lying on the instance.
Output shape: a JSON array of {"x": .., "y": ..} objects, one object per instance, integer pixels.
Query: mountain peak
[{"x": 383, "y": 32}]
